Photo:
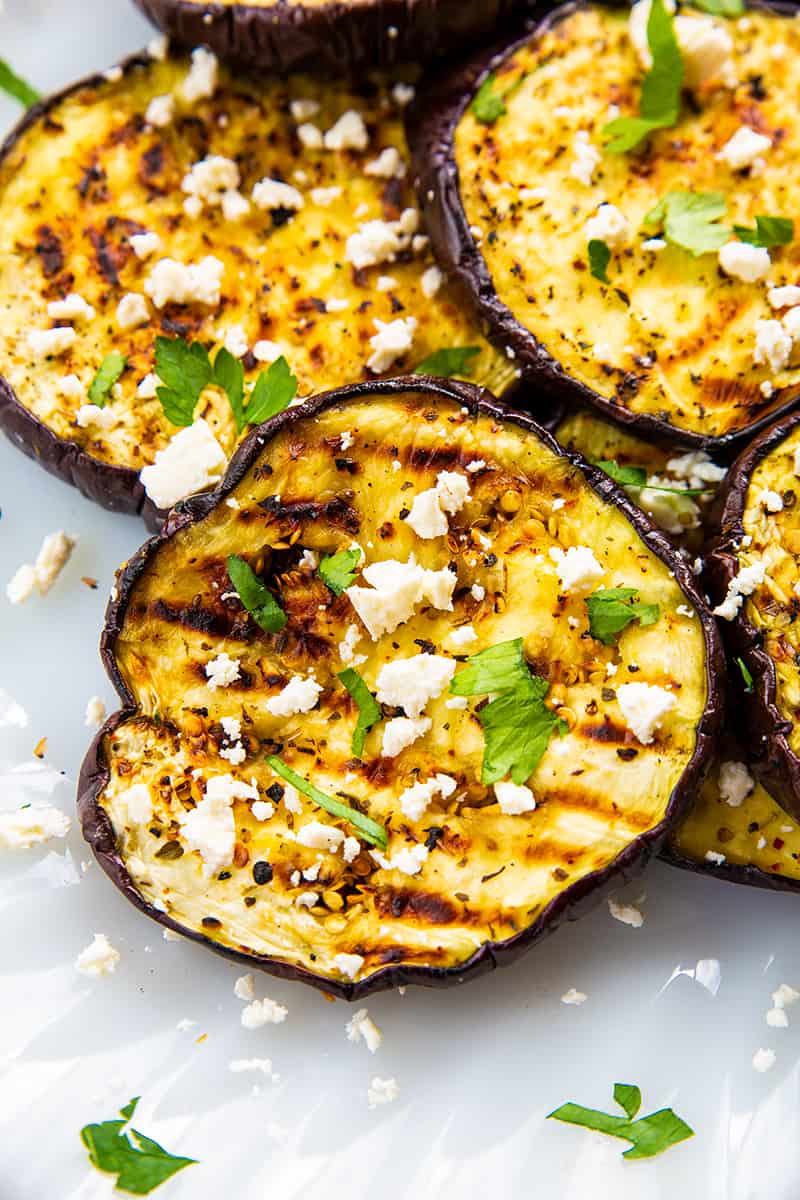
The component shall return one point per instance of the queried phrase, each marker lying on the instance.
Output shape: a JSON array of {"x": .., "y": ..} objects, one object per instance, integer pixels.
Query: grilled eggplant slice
[
  {"x": 328, "y": 35},
  {"x": 294, "y": 256},
  {"x": 453, "y": 501},
  {"x": 754, "y": 577},
  {"x": 509, "y": 154}
]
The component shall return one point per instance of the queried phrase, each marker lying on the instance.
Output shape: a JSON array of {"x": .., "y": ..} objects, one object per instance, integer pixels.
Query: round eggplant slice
[
  {"x": 332, "y": 36},
  {"x": 270, "y": 217},
  {"x": 516, "y": 180},
  {"x": 736, "y": 831},
  {"x": 754, "y": 578},
  {"x": 368, "y": 736}
]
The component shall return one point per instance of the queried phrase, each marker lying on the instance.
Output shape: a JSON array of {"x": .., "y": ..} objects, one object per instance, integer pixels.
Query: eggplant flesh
[
  {"x": 491, "y": 883},
  {"x": 669, "y": 342},
  {"x": 332, "y": 36},
  {"x": 287, "y": 283},
  {"x": 754, "y": 575}
]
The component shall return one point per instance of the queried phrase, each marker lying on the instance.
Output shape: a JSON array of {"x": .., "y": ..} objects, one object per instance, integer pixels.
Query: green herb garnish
[
  {"x": 720, "y": 8},
  {"x": 599, "y": 258},
  {"x": 648, "y": 1136},
  {"x": 16, "y": 87},
  {"x": 691, "y": 220},
  {"x": 259, "y": 602},
  {"x": 369, "y": 711},
  {"x": 613, "y": 609},
  {"x": 337, "y": 571},
  {"x": 139, "y": 1163},
  {"x": 517, "y": 724},
  {"x": 488, "y": 105},
  {"x": 636, "y": 477},
  {"x": 107, "y": 375},
  {"x": 660, "y": 99},
  {"x": 745, "y": 673},
  {"x": 186, "y": 369},
  {"x": 370, "y": 830},
  {"x": 769, "y": 231},
  {"x": 453, "y": 360}
]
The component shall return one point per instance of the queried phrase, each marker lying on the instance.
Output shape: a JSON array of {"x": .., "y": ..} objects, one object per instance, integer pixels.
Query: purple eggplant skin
[
  {"x": 773, "y": 760},
  {"x": 431, "y": 121},
  {"x": 730, "y": 872},
  {"x": 569, "y": 904},
  {"x": 332, "y": 37}
]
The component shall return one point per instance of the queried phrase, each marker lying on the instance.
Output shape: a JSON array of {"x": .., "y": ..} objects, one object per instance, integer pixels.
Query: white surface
[{"x": 478, "y": 1068}]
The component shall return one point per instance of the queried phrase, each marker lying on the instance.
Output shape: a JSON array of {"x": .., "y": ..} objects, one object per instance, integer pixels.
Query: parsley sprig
[
  {"x": 449, "y": 361},
  {"x": 636, "y": 477},
  {"x": 599, "y": 258},
  {"x": 517, "y": 724},
  {"x": 369, "y": 711},
  {"x": 337, "y": 571},
  {"x": 370, "y": 830},
  {"x": 692, "y": 220},
  {"x": 489, "y": 105},
  {"x": 16, "y": 87},
  {"x": 140, "y": 1164},
  {"x": 660, "y": 99},
  {"x": 257, "y": 599},
  {"x": 768, "y": 232},
  {"x": 107, "y": 375},
  {"x": 185, "y": 370},
  {"x": 611, "y": 610},
  {"x": 648, "y": 1136}
]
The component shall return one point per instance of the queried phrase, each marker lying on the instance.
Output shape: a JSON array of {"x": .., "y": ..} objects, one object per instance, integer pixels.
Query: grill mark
[
  {"x": 427, "y": 908},
  {"x": 50, "y": 252},
  {"x": 608, "y": 733},
  {"x": 731, "y": 393},
  {"x": 203, "y": 620},
  {"x": 337, "y": 512}
]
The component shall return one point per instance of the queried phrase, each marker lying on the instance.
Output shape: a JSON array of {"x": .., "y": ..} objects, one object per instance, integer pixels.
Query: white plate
[{"x": 478, "y": 1068}]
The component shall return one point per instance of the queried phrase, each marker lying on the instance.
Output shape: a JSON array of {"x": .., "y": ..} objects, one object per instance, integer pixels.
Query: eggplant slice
[
  {"x": 463, "y": 885},
  {"x": 669, "y": 345},
  {"x": 333, "y": 36},
  {"x": 122, "y": 148},
  {"x": 754, "y": 577}
]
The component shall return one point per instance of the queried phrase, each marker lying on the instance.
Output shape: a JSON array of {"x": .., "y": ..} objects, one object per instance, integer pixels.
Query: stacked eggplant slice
[{"x": 409, "y": 675}]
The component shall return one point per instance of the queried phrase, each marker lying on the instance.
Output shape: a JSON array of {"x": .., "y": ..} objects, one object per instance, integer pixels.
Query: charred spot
[
  {"x": 262, "y": 872},
  {"x": 275, "y": 793},
  {"x": 49, "y": 250},
  {"x": 349, "y": 465},
  {"x": 755, "y": 87},
  {"x": 337, "y": 512},
  {"x": 607, "y": 733},
  {"x": 435, "y": 834},
  {"x": 193, "y": 616},
  {"x": 111, "y": 255},
  {"x": 91, "y": 185},
  {"x": 310, "y": 304},
  {"x": 386, "y": 530},
  {"x": 280, "y": 216},
  {"x": 421, "y": 457},
  {"x": 426, "y": 907},
  {"x": 626, "y": 753},
  {"x": 211, "y": 923},
  {"x": 151, "y": 163},
  {"x": 392, "y": 199}
]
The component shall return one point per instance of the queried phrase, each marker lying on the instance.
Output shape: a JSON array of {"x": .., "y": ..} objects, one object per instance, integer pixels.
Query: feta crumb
[
  {"x": 578, "y": 570},
  {"x": 351, "y": 849},
  {"x": 310, "y": 136},
  {"x": 744, "y": 148},
  {"x": 324, "y": 195},
  {"x": 27, "y": 827},
  {"x": 514, "y": 798},
  {"x": 415, "y": 799},
  {"x": 385, "y": 284},
  {"x": 158, "y": 47},
  {"x": 303, "y": 109},
  {"x": 608, "y": 225},
  {"x": 349, "y": 133},
  {"x": 318, "y": 836},
  {"x": 735, "y": 783},
  {"x": 99, "y": 958},
  {"x": 763, "y": 1060},
  {"x": 132, "y": 311},
  {"x": 348, "y": 964},
  {"x": 771, "y": 501},
  {"x": 713, "y": 857},
  {"x": 362, "y": 1028},
  {"x": 428, "y": 515},
  {"x": 173, "y": 282},
  {"x": 784, "y": 297},
  {"x": 396, "y": 589},
  {"x": 291, "y": 799},
  {"x": 209, "y": 828},
  {"x": 388, "y": 165},
  {"x": 409, "y": 860},
  {"x": 12, "y": 714},
  {"x": 72, "y": 308},
  {"x": 222, "y": 670},
  {"x": 465, "y": 635},
  {"x": 478, "y": 592},
  {"x": 201, "y": 82},
  {"x": 773, "y": 345},
  {"x": 411, "y": 683},
  {"x": 627, "y": 914},
  {"x": 265, "y": 351},
  {"x": 743, "y": 584},
  {"x": 643, "y": 705},
  {"x": 89, "y": 414},
  {"x": 776, "y": 1018},
  {"x": 401, "y": 732},
  {"x": 95, "y": 712},
  {"x": 263, "y": 1012},
  {"x": 307, "y": 899},
  {"x": 71, "y": 386},
  {"x": 271, "y": 193},
  {"x": 299, "y": 695},
  {"x": 390, "y": 342},
  {"x": 654, "y": 245},
  {"x": 191, "y": 461},
  {"x": 382, "y": 1091},
  {"x": 53, "y": 556},
  {"x": 245, "y": 987},
  {"x": 573, "y": 997},
  {"x": 586, "y": 159},
  {"x": 743, "y": 261},
  {"x": 160, "y": 111},
  {"x": 785, "y": 996},
  {"x": 148, "y": 387},
  {"x": 234, "y": 339},
  {"x": 138, "y": 803},
  {"x": 262, "y": 810},
  {"x": 50, "y": 343},
  {"x": 264, "y": 1065},
  {"x": 432, "y": 279},
  {"x": 403, "y": 94}
]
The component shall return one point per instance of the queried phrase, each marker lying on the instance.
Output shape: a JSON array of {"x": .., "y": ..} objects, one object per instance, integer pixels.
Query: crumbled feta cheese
[
  {"x": 784, "y": 297},
  {"x": 382, "y": 1091},
  {"x": 362, "y": 1028},
  {"x": 201, "y": 82},
  {"x": 22, "y": 584},
  {"x": 578, "y": 570},
  {"x": 773, "y": 345},
  {"x": 148, "y": 387},
  {"x": 390, "y": 342},
  {"x": 396, "y": 588},
  {"x": 271, "y": 193},
  {"x": 705, "y": 44},
  {"x": 776, "y": 1018},
  {"x": 12, "y": 714},
  {"x": 349, "y": 133},
  {"x": 71, "y": 386},
  {"x": 735, "y": 783},
  {"x": 89, "y": 414},
  {"x": 463, "y": 636},
  {"x": 132, "y": 311},
  {"x": 771, "y": 501},
  {"x": 572, "y": 996},
  {"x": 627, "y": 914},
  {"x": 401, "y": 732},
  {"x": 303, "y": 109},
  {"x": 743, "y": 261},
  {"x": 586, "y": 159},
  {"x": 785, "y": 996},
  {"x": 410, "y": 683},
  {"x": 234, "y": 339},
  {"x": 744, "y": 148},
  {"x": 265, "y": 351},
  {"x": 31, "y": 826},
  {"x": 245, "y": 987},
  {"x": 291, "y": 799},
  {"x": 478, "y": 592},
  {"x": 713, "y": 857},
  {"x": 388, "y": 165},
  {"x": 99, "y": 958},
  {"x": 348, "y": 964},
  {"x": 351, "y": 849},
  {"x": 318, "y": 836},
  {"x": 209, "y": 179},
  {"x": 643, "y": 705},
  {"x": 743, "y": 584},
  {"x": 307, "y": 899},
  {"x": 234, "y": 205},
  {"x": 408, "y": 861},
  {"x": 53, "y": 556},
  {"x": 763, "y": 1060},
  {"x": 403, "y": 94},
  {"x": 428, "y": 515},
  {"x": 262, "y": 810},
  {"x": 191, "y": 461},
  {"x": 173, "y": 282},
  {"x": 696, "y": 468},
  {"x": 209, "y": 828},
  {"x": 298, "y": 696},
  {"x": 50, "y": 343},
  {"x": 432, "y": 279},
  {"x": 263, "y": 1012},
  {"x": 310, "y": 136},
  {"x": 513, "y": 798},
  {"x": 385, "y": 284},
  {"x": 325, "y": 195},
  {"x": 72, "y": 308},
  {"x": 608, "y": 225},
  {"x": 160, "y": 111},
  {"x": 239, "y": 1065},
  {"x": 222, "y": 670},
  {"x": 654, "y": 245},
  {"x": 139, "y": 804},
  {"x": 158, "y": 47},
  {"x": 415, "y": 799}
]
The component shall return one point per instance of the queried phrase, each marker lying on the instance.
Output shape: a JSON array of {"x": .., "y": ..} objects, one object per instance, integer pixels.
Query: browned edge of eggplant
[
  {"x": 570, "y": 903},
  {"x": 332, "y": 37},
  {"x": 431, "y": 122},
  {"x": 116, "y": 488},
  {"x": 773, "y": 760},
  {"x": 731, "y": 872}
]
